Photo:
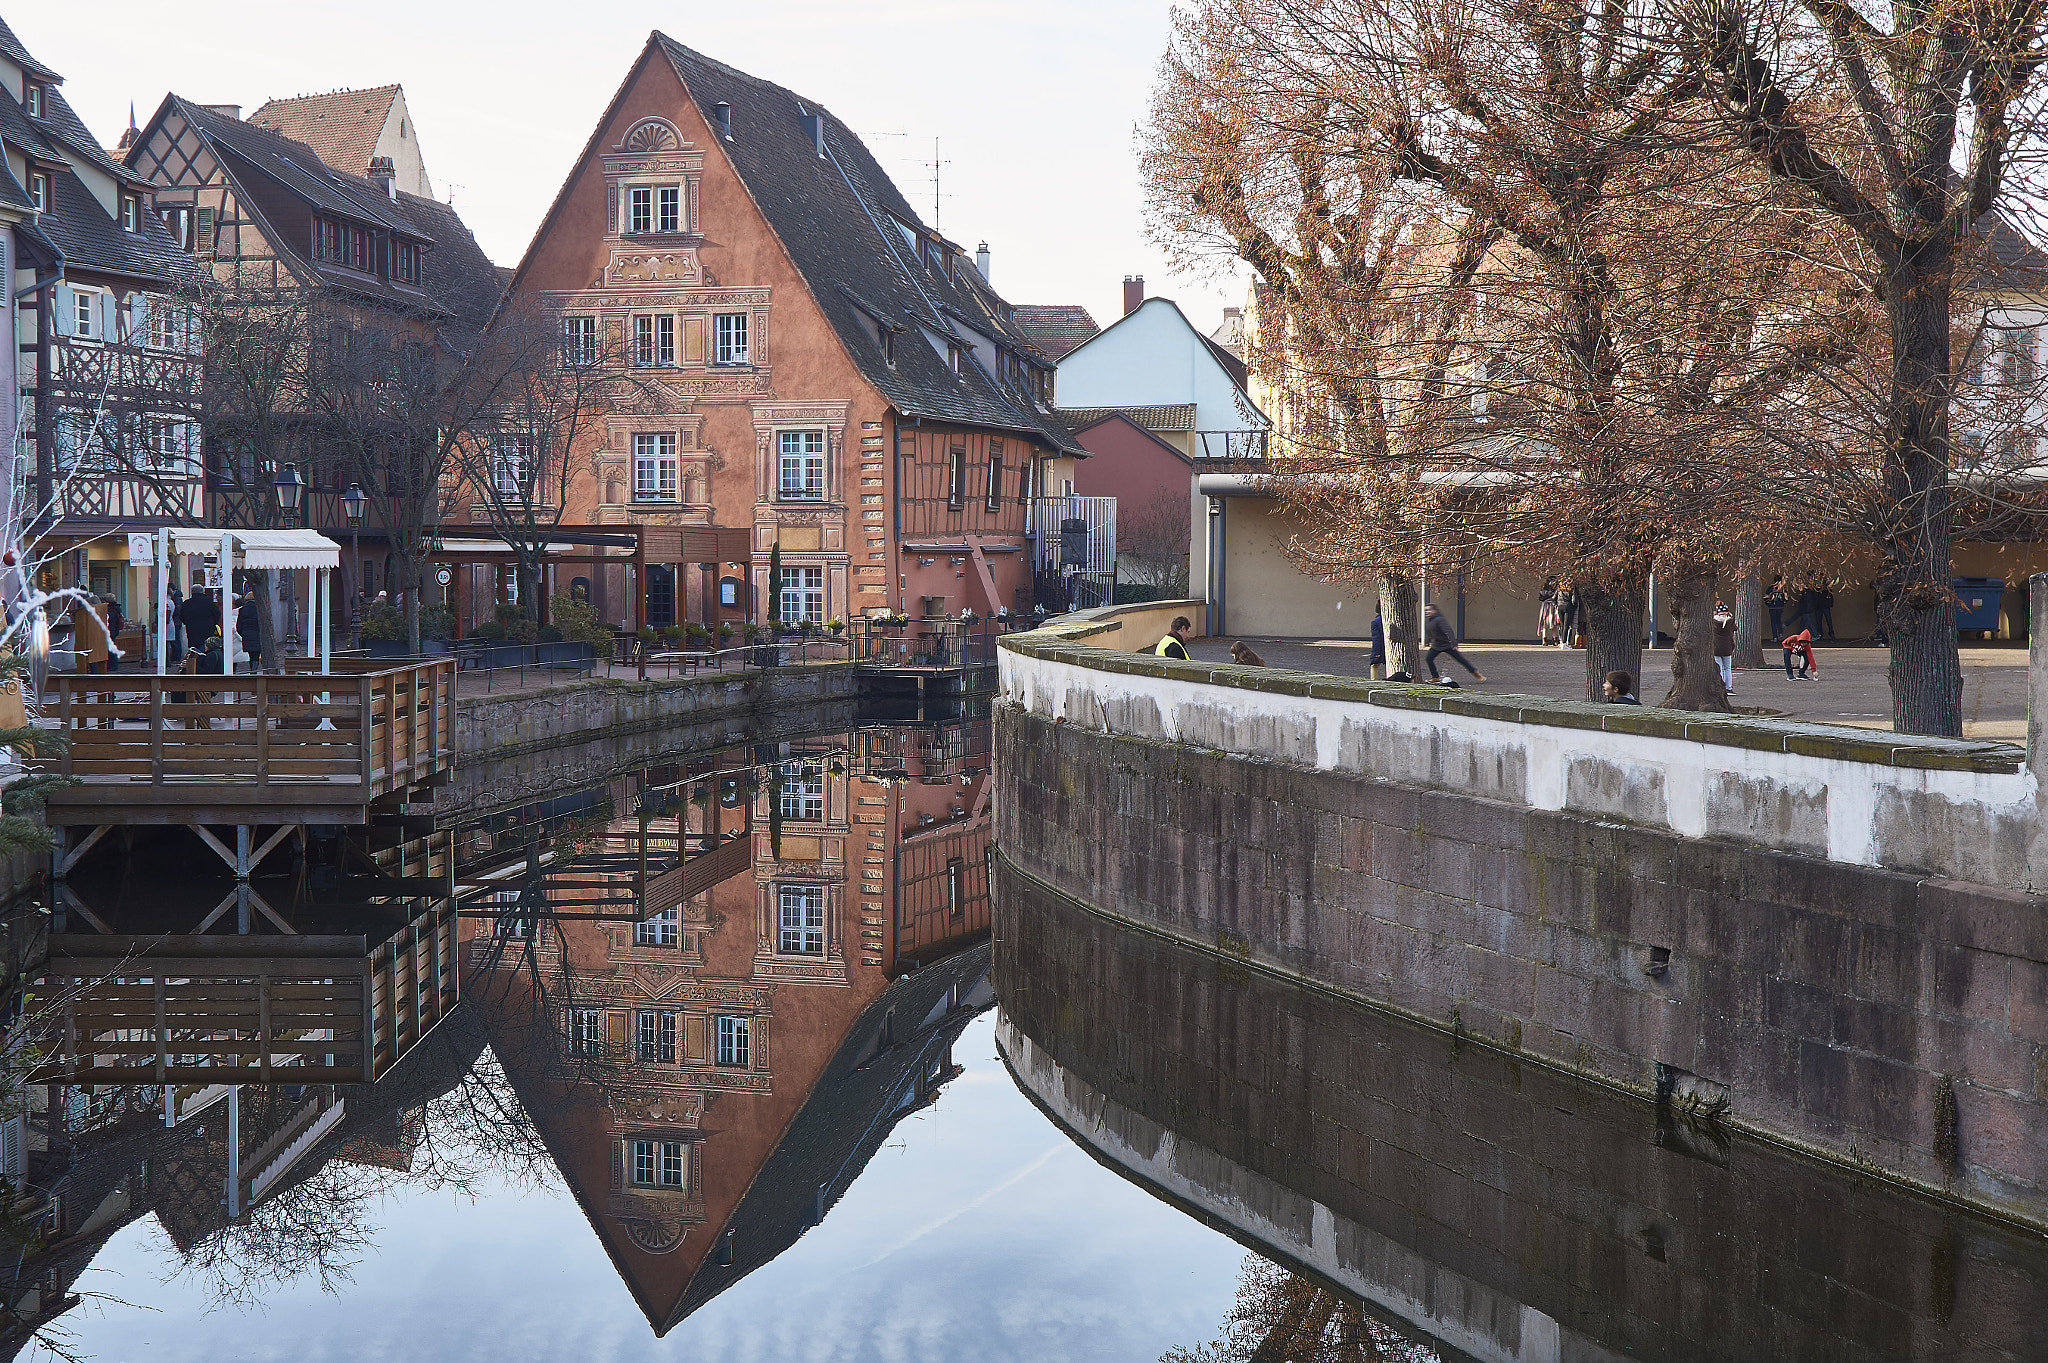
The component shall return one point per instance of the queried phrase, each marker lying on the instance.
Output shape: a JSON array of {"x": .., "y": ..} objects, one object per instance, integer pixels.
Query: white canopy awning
[
  {"x": 261, "y": 548},
  {"x": 288, "y": 549}
]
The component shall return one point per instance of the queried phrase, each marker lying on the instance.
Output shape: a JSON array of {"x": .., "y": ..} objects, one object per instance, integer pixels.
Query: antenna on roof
[{"x": 934, "y": 164}]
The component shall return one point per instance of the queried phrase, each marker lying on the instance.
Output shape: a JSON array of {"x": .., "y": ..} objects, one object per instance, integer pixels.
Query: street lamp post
[
  {"x": 291, "y": 492},
  {"x": 353, "y": 502}
]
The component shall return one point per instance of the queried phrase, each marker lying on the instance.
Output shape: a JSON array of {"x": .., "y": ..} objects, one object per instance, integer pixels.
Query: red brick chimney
[{"x": 1134, "y": 292}]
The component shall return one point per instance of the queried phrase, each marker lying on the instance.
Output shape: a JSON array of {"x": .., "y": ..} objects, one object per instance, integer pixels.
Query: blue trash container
[{"x": 1977, "y": 601}]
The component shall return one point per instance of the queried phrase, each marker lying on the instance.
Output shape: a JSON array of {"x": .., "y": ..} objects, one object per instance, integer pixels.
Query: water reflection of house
[
  {"x": 674, "y": 1053},
  {"x": 117, "y": 1162}
]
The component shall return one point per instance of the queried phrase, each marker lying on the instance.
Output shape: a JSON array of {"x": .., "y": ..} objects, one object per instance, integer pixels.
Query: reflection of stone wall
[
  {"x": 1501, "y": 1207},
  {"x": 1887, "y": 1018}
]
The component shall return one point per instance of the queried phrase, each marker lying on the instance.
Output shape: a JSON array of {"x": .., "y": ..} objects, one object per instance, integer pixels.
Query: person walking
[
  {"x": 199, "y": 616},
  {"x": 1619, "y": 689},
  {"x": 1546, "y": 612},
  {"x": 249, "y": 628},
  {"x": 174, "y": 633},
  {"x": 1724, "y": 645},
  {"x": 1809, "y": 610},
  {"x": 1376, "y": 661},
  {"x": 1567, "y": 616},
  {"x": 1824, "y": 604},
  {"x": 1437, "y": 633},
  {"x": 1800, "y": 646},
  {"x": 1175, "y": 643}
]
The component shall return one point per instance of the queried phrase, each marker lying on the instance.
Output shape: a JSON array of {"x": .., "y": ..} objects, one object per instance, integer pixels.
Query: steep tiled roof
[
  {"x": 870, "y": 1086},
  {"x": 90, "y": 239},
  {"x": 11, "y": 48},
  {"x": 340, "y": 126},
  {"x": 1054, "y": 328},
  {"x": 66, "y": 128},
  {"x": 297, "y": 167},
  {"x": 1179, "y": 417},
  {"x": 849, "y": 232},
  {"x": 1998, "y": 256},
  {"x": 460, "y": 280}
]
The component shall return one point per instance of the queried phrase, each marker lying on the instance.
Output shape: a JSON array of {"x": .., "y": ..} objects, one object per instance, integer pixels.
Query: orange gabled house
[{"x": 799, "y": 358}]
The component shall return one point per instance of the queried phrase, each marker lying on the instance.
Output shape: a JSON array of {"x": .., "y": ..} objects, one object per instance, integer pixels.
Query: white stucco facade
[{"x": 1154, "y": 357}]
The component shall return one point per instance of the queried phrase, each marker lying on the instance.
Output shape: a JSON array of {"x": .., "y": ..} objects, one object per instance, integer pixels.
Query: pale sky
[{"x": 1035, "y": 106}]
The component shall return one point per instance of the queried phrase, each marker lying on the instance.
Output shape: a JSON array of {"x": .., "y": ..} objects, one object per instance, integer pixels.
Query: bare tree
[
  {"x": 524, "y": 455},
  {"x": 1904, "y": 135},
  {"x": 1152, "y": 538}
]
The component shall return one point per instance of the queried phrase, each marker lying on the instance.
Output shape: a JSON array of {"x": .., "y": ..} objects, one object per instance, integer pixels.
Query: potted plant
[
  {"x": 836, "y": 625},
  {"x": 724, "y": 632},
  {"x": 969, "y": 618}
]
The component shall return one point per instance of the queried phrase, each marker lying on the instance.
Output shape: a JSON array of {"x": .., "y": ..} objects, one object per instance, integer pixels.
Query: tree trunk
[
  {"x": 1749, "y": 622},
  {"x": 412, "y": 606},
  {"x": 1401, "y": 622},
  {"x": 1916, "y": 599},
  {"x": 1695, "y": 677},
  {"x": 1612, "y": 616}
]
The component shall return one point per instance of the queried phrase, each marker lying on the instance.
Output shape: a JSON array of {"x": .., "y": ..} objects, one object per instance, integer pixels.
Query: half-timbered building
[
  {"x": 799, "y": 355},
  {"x": 268, "y": 218},
  {"x": 107, "y": 363}
]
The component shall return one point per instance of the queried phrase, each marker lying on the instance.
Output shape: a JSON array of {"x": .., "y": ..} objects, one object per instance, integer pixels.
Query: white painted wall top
[{"x": 1154, "y": 357}]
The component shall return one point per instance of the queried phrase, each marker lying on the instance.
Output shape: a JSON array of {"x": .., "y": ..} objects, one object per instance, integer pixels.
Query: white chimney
[{"x": 981, "y": 261}]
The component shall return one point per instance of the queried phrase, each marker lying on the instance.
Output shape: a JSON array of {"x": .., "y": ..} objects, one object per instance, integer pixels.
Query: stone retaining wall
[
  {"x": 495, "y": 728},
  {"x": 1478, "y": 872},
  {"x": 1511, "y": 1212}
]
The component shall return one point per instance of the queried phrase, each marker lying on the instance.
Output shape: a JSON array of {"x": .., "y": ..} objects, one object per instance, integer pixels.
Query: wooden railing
[
  {"x": 235, "y": 1009},
  {"x": 379, "y": 728}
]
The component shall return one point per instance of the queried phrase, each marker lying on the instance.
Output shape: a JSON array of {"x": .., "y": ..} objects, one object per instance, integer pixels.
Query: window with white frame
[
  {"x": 88, "y": 314},
  {"x": 511, "y": 920},
  {"x": 668, "y": 208},
  {"x": 640, "y": 209},
  {"x": 801, "y": 456},
  {"x": 803, "y": 790},
  {"x": 39, "y": 191},
  {"x": 654, "y": 468},
  {"x": 579, "y": 342},
  {"x": 658, "y": 1164},
  {"x": 512, "y": 466},
  {"x": 803, "y": 595},
  {"x": 800, "y": 911},
  {"x": 956, "y": 888},
  {"x": 170, "y": 444},
  {"x": 995, "y": 476},
  {"x": 730, "y": 331},
  {"x": 733, "y": 1040},
  {"x": 32, "y": 99},
  {"x": 658, "y": 931},
  {"x": 657, "y": 1034},
  {"x": 169, "y": 325},
  {"x": 585, "y": 1031},
  {"x": 956, "y": 478},
  {"x": 643, "y": 342},
  {"x": 131, "y": 213}
]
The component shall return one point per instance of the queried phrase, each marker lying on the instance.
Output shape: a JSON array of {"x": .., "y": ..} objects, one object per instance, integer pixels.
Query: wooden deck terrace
[
  {"x": 300, "y": 747},
  {"x": 124, "y": 1009}
]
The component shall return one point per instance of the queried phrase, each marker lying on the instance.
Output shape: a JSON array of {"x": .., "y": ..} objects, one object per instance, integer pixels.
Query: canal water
[{"x": 765, "y": 1053}]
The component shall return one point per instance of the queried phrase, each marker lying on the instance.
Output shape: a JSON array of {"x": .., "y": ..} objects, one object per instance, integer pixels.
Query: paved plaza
[{"x": 1852, "y": 688}]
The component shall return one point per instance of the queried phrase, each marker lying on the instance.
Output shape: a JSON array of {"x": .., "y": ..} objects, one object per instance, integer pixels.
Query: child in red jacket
[{"x": 1800, "y": 646}]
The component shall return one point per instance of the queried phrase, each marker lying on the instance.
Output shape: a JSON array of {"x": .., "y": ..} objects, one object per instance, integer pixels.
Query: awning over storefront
[
  {"x": 288, "y": 549},
  {"x": 261, "y": 548}
]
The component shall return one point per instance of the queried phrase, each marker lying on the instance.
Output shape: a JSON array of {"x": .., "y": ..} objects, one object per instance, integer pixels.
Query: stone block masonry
[
  {"x": 494, "y": 728},
  {"x": 1834, "y": 994},
  {"x": 1506, "y": 1210}
]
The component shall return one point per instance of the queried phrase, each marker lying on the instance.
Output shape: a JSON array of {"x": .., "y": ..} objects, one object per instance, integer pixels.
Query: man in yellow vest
[{"x": 1175, "y": 644}]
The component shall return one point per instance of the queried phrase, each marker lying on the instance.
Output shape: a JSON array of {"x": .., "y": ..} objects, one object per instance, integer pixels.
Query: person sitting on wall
[
  {"x": 1242, "y": 654},
  {"x": 1620, "y": 689},
  {"x": 1175, "y": 644}
]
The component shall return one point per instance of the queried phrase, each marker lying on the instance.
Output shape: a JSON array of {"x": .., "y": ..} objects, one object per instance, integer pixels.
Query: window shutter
[
  {"x": 202, "y": 236},
  {"x": 138, "y": 318},
  {"x": 696, "y": 1039},
  {"x": 110, "y": 317},
  {"x": 65, "y": 299}
]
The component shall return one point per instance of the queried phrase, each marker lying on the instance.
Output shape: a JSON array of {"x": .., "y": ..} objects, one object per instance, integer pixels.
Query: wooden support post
[
  {"x": 163, "y": 1042},
  {"x": 262, "y": 684},
  {"x": 262, "y": 1024},
  {"x": 363, "y": 715},
  {"x": 156, "y": 728}
]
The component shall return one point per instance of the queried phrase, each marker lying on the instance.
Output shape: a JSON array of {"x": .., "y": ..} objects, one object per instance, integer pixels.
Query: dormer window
[
  {"x": 39, "y": 191},
  {"x": 131, "y": 213},
  {"x": 888, "y": 346},
  {"x": 32, "y": 99}
]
